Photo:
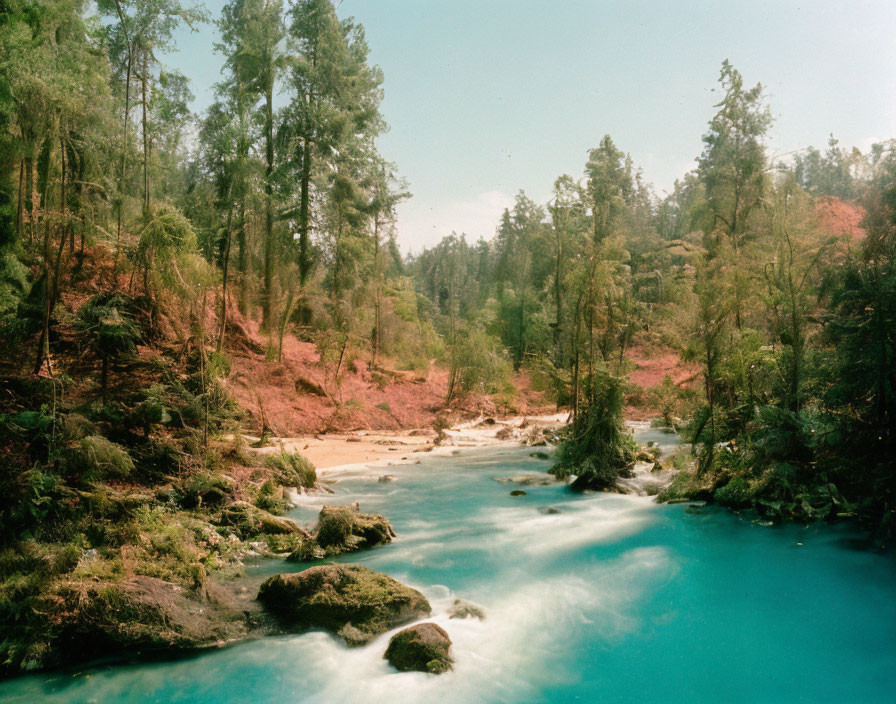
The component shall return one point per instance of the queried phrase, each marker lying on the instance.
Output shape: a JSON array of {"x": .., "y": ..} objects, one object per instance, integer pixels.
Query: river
[{"x": 611, "y": 599}]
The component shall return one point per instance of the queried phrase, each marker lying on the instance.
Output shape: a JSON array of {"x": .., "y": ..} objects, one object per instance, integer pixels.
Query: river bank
[{"x": 382, "y": 448}]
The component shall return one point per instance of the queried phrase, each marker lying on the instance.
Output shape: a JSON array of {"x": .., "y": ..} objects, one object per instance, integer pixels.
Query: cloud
[{"x": 422, "y": 223}]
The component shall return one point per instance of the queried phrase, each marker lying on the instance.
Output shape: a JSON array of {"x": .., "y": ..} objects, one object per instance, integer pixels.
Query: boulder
[
  {"x": 250, "y": 521},
  {"x": 344, "y": 528},
  {"x": 144, "y": 613},
  {"x": 204, "y": 489},
  {"x": 464, "y": 609},
  {"x": 352, "y": 601},
  {"x": 422, "y": 648}
]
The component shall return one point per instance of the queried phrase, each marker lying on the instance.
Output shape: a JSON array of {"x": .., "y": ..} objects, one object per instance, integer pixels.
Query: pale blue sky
[{"x": 486, "y": 97}]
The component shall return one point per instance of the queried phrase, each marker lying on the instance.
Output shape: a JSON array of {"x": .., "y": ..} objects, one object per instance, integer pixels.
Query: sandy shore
[{"x": 383, "y": 448}]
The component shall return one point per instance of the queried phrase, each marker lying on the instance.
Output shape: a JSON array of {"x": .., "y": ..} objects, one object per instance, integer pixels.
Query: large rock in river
[
  {"x": 423, "y": 648},
  {"x": 352, "y": 601},
  {"x": 88, "y": 619},
  {"x": 345, "y": 528}
]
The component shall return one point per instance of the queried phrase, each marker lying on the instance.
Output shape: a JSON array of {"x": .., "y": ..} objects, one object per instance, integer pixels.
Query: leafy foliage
[{"x": 597, "y": 447}]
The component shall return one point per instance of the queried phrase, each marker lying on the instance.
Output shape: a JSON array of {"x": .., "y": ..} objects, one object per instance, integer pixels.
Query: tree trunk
[
  {"x": 225, "y": 265},
  {"x": 375, "y": 336},
  {"x": 304, "y": 214},
  {"x": 146, "y": 197},
  {"x": 52, "y": 278},
  {"x": 268, "y": 299},
  {"x": 20, "y": 206},
  {"x": 30, "y": 201},
  {"x": 124, "y": 145},
  {"x": 558, "y": 305}
]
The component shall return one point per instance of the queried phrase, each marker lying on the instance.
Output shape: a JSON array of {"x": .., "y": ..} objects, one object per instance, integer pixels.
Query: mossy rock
[
  {"x": 517, "y": 492},
  {"x": 350, "y": 600},
  {"x": 100, "y": 458},
  {"x": 464, "y": 609},
  {"x": 344, "y": 528},
  {"x": 205, "y": 489},
  {"x": 109, "y": 618},
  {"x": 687, "y": 486},
  {"x": 293, "y": 469},
  {"x": 250, "y": 521},
  {"x": 423, "y": 647}
]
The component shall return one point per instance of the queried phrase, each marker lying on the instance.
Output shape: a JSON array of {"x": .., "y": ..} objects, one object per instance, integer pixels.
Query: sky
[{"x": 485, "y": 98}]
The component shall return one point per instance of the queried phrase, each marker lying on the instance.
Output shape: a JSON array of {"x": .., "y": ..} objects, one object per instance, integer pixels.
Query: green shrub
[
  {"x": 597, "y": 446},
  {"x": 476, "y": 363},
  {"x": 107, "y": 320},
  {"x": 736, "y": 493},
  {"x": 268, "y": 500},
  {"x": 292, "y": 469},
  {"x": 217, "y": 365}
]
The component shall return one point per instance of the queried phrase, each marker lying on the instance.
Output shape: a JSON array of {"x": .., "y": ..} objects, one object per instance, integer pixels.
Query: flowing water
[{"x": 611, "y": 599}]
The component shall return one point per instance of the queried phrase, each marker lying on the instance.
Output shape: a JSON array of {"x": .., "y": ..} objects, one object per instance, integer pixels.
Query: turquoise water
[{"x": 614, "y": 599}]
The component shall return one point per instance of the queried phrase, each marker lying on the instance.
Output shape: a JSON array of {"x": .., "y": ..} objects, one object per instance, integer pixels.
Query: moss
[
  {"x": 78, "y": 426},
  {"x": 344, "y": 528},
  {"x": 306, "y": 550},
  {"x": 334, "y": 526},
  {"x": 293, "y": 469},
  {"x": 205, "y": 489},
  {"x": 100, "y": 458},
  {"x": 351, "y": 600},
  {"x": 250, "y": 521},
  {"x": 269, "y": 498},
  {"x": 687, "y": 485},
  {"x": 421, "y": 648}
]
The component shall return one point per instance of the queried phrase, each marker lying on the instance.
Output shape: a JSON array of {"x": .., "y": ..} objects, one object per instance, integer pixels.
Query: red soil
[
  {"x": 650, "y": 370},
  {"x": 382, "y": 399}
]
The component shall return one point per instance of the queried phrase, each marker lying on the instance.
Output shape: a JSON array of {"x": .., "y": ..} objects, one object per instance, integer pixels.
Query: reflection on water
[{"x": 611, "y": 599}]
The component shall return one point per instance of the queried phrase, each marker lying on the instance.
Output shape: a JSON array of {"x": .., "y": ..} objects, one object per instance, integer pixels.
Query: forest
[{"x": 146, "y": 252}]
